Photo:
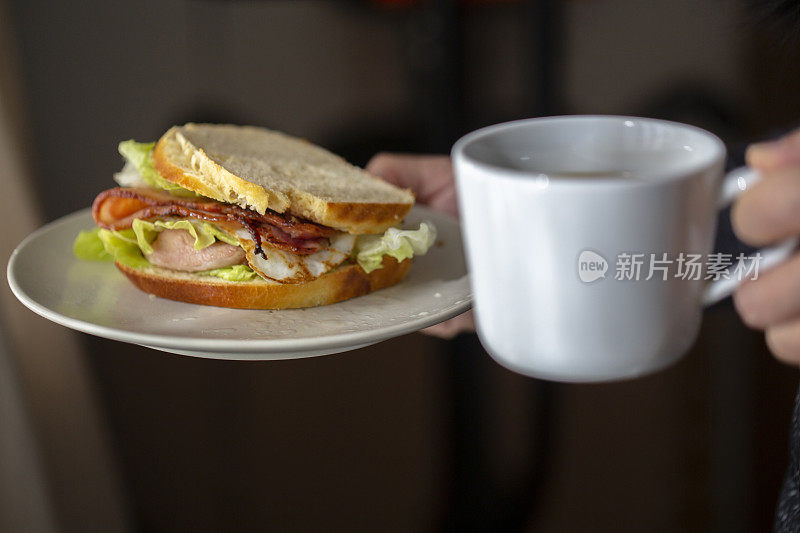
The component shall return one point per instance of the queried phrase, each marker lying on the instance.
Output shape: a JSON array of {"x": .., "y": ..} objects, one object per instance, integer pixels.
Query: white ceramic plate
[{"x": 94, "y": 297}]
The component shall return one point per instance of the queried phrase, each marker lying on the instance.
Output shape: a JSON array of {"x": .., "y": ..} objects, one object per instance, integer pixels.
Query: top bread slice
[{"x": 260, "y": 169}]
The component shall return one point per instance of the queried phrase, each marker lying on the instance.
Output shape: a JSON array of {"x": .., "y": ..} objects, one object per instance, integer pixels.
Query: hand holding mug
[{"x": 766, "y": 213}]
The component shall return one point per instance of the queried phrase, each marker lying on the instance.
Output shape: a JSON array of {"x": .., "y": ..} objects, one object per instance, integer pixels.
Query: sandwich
[{"x": 245, "y": 217}]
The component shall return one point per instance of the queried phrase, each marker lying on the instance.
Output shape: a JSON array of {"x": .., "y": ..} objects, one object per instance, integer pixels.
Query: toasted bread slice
[
  {"x": 346, "y": 281},
  {"x": 261, "y": 169}
]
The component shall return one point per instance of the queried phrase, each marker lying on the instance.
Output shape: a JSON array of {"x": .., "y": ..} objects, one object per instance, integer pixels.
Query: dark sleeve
[{"x": 787, "y": 515}]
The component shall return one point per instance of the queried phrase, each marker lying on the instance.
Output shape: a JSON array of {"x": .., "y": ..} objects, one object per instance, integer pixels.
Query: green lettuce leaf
[
  {"x": 107, "y": 245},
  {"x": 89, "y": 247},
  {"x": 204, "y": 233},
  {"x": 398, "y": 243},
  {"x": 221, "y": 235},
  {"x": 232, "y": 273},
  {"x": 124, "y": 247},
  {"x": 140, "y": 155}
]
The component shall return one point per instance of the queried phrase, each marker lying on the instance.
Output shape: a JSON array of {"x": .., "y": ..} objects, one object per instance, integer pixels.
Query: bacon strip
[{"x": 117, "y": 208}]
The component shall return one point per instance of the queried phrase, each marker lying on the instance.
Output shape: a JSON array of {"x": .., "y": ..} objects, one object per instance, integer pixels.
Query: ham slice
[
  {"x": 174, "y": 249},
  {"x": 117, "y": 208}
]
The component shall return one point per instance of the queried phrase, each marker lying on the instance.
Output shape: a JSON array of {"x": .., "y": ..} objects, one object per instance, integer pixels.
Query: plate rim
[{"x": 232, "y": 346}]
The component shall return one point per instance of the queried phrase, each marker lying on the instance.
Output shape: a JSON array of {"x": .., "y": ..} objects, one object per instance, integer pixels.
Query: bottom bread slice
[{"x": 346, "y": 281}]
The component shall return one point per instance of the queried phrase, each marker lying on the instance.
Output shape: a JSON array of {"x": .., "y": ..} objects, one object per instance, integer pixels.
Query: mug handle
[{"x": 735, "y": 183}]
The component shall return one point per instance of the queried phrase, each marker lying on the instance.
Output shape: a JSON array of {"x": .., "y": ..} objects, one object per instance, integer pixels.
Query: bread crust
[
  {"x": 345, "y": 282},
  {"x": 364, "y": 219}
]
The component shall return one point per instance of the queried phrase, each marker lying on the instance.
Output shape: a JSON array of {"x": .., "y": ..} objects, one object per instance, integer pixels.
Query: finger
[
  {"x": 448, "y": 329},
  {"x": 771, "y": 299},
  {"x": 784, "y": 341},
  {"x": 426, "y": 175},
  {"x": 446, "y": 201},
  {"x": 770, "y": 211},
  {"x": 774, "y": 155}
]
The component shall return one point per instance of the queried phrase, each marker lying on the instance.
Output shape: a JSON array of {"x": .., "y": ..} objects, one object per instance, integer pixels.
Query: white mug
[{"x": 558, "y": 212}]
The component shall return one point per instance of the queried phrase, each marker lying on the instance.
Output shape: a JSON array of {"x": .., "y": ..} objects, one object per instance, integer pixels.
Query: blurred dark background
[{"x": 414, "y": 434}]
